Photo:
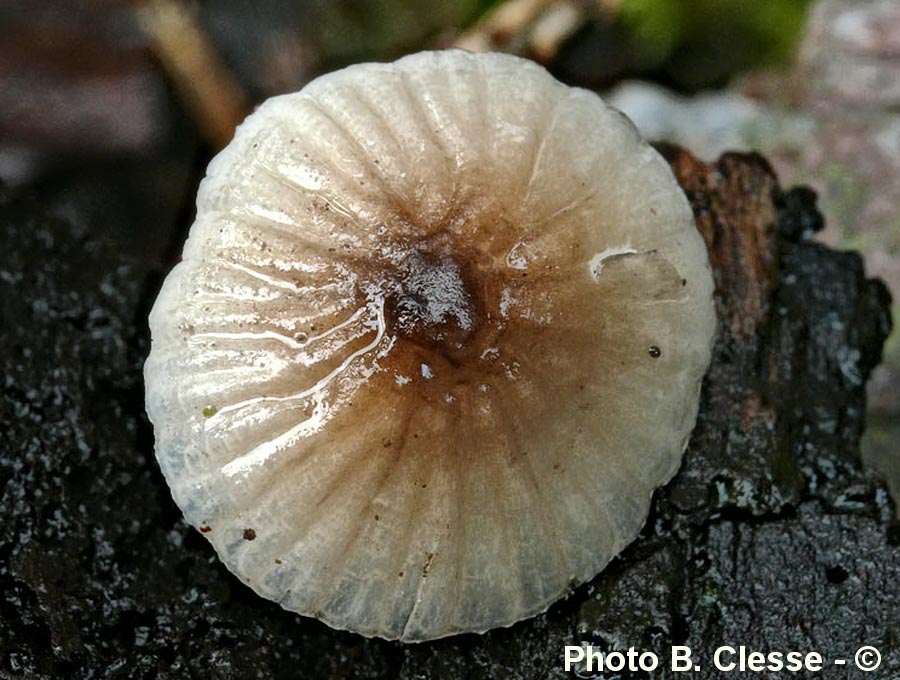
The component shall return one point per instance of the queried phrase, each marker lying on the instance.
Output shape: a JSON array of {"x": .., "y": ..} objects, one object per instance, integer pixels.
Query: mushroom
[{"x": 437, "y": 335}]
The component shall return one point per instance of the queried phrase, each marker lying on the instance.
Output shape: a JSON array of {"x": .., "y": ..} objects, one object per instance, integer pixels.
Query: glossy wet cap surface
[{"x": 438, "y": 333}]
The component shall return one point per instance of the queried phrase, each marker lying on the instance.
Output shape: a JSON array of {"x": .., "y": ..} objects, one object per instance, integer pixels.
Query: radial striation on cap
[{"x": 437, "y": 335}]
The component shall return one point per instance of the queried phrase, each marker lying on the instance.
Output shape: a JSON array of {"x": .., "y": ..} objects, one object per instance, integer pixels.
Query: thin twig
[{"x": 209, "y": 90}]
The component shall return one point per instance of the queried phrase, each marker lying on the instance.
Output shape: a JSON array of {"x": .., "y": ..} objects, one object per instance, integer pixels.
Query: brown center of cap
[{"x": 433, "y": 300}]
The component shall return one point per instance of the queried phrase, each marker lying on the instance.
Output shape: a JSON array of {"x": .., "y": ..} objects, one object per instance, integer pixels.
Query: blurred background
[{"x": 111, "y": 109}]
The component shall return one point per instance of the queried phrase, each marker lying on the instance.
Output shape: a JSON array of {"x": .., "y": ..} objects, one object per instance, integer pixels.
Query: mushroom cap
[{"x": 437, "y": 335}]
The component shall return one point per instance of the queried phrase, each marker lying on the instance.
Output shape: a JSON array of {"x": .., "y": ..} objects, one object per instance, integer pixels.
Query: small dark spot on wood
[
  {"x": 377, "y": 517},
  {"x": 249, "y": 535},
  {"x": 653, "y": 211},
  {"x": 836, "y": 574},
  {"x": 277, "y": 561},
  {"x": 428, "y": 559},
  {"x": 655, "y": 352},
  {"x": 400, "y": 574},
  {"x": 388, "y": 443},
  {"x": 683, "y": 282}
]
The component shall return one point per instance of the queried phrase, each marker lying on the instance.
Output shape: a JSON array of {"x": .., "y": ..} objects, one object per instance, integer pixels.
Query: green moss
[
  {"x": 657, "y": 27},
  {"x": 210, "y": 411},
  {"x": 366, "y": 29},
  {"x": 702, "y": 42}
]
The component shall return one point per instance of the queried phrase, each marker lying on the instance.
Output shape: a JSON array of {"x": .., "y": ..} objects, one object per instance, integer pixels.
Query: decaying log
[{"x": 770, "y": 536}]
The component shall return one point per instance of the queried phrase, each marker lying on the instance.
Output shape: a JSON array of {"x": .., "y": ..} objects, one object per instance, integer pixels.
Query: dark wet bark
[{"x": 771, "y": 535}]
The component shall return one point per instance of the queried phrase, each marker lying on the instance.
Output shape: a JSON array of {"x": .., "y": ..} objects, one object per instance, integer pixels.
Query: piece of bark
[{"x": 770, "y": 535}]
